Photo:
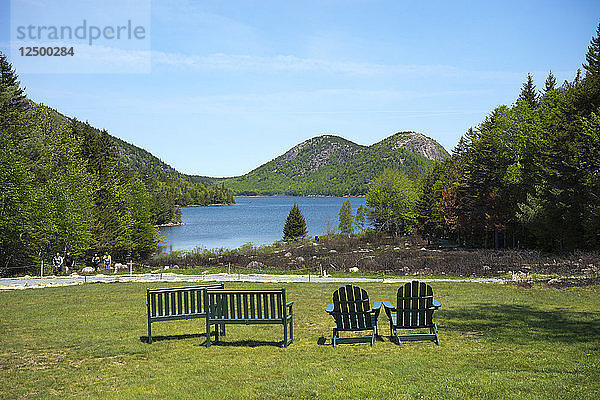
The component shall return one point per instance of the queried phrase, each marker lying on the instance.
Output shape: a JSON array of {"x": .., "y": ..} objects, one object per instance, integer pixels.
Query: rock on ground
[{"x": 255, "y": 265}]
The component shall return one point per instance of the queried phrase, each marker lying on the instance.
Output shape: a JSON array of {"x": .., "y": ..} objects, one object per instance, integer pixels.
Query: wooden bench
[
  {"x": 168, "y": 304},
  {"x": 248, "y": 307}
]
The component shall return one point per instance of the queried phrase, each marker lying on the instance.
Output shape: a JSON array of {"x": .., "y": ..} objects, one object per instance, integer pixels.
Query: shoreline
[
  {"x": 207, "y": 205},
  {"x": 288, "y": 195},
  {"x": 169, "y": 224}
]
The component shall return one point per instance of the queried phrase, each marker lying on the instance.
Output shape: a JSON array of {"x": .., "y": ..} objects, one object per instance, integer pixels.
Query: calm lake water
[{"x": 258, "y": 220}]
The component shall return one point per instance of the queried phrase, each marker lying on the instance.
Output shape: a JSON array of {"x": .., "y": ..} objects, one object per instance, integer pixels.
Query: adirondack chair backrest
[
  {"x": 415, "y": 301},
  {"x": 351, "y": 308}
]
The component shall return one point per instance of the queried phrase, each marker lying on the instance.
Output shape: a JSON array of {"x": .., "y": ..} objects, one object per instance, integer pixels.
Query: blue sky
[{"x": 234, "y": 84}]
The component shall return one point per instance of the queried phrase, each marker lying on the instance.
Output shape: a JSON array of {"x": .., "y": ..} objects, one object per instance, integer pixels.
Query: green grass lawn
[{"x": 496, "y": 341}]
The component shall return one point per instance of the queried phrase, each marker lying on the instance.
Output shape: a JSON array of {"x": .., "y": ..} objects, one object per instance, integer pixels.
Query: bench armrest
[
  {"x": 329, "y": 308},
  {"x": 289, "y": 304},
  {"x": 436, "y": 303}
]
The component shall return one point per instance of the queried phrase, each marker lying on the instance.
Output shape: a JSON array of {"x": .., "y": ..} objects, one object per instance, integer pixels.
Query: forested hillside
[
  {"x": 67, "y": 186},
  {"x": 529, "y": 174},
  {"x": 332, "y": 165},
  {"x": 165, "y": 179}
]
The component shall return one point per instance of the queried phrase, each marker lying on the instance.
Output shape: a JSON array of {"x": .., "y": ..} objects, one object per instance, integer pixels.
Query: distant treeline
[
  {"x": 528, "y": 175},
  {"x": 66, "y": 186}
]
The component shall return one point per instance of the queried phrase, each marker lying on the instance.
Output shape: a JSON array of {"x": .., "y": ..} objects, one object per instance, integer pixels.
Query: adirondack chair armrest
[
  {"x": 388, "y": 307},
  {"x": 289, "y": 305},
  {"x": 387, "y": 304},
  {"x": 329, "y": 308},
  {"x": 376, "y": 308},
  {"x": 436, "y": 304}
]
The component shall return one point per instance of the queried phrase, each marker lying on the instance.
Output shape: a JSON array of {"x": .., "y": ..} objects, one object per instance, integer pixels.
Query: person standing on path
[
  {"x": 57, "y": 263},
  {"x": 69, "y": 263},
  {"x": 107, "y": 261},
  {"x": 96, "y": 262}
]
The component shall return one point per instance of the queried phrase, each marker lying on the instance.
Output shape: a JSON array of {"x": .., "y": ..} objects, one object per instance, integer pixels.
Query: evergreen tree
[
  {"x": 577, "y": 80},
  {"x": 345, "y": 215},
  {"x": 13, "y": 102},
  {"x": 550, "y": 83},
  {"x": 8, "y": 78},
  {"x": 529, "y": 93},
  {"x": 295, "y": 225},
  {"x": 359, "y": 219},
  {"x": 592, "y": 58}
]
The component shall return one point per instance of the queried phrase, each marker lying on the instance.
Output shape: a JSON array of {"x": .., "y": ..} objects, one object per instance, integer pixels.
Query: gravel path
[{"x": 28, "y": 282}]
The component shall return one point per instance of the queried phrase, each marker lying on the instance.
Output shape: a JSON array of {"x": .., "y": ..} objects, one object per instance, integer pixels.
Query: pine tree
[
  {"x": 15, "y": 100},
  {"x": 529, "y": 93},
  {"x": 550, "y": 83},
  {"x": 592, "y": 58},
  {"x": 8, "y": 77},
  {"x": 577, "y": 80},
  {"x": 346, "y": 218},
  {"x": 295, "y": 225}
]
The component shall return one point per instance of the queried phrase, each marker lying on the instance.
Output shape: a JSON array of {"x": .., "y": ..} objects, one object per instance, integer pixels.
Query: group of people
[
  {"x": 66, "y": 264},
  {"x": 61, "y": 264}
]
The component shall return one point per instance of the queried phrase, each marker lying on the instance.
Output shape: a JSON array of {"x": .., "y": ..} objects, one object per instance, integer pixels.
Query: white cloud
[{"x": 295, "y": 64}]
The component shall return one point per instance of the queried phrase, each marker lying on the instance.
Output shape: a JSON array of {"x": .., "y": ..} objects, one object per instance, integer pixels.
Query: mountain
[
  {"x": 171, "y": 184},
  {"x": 332, "y": 165}
]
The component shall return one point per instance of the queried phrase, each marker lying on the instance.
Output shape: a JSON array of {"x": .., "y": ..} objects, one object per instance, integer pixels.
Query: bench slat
[{"x": 153, "y": 305}]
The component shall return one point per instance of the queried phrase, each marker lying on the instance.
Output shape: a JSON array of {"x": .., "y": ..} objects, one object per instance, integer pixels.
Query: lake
[{"x": 258, "y": 220}]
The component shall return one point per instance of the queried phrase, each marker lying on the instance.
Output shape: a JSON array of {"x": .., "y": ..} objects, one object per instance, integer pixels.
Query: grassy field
[{"x": 496, "y": 341}]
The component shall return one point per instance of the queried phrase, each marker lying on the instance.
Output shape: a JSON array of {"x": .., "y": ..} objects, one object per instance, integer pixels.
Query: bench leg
[
  {"x": 291, "y": 329},
  {"x": 335, "y": 336},
  {"x": 207, "y": 332},
  {"x": 288, "y": 331},
  {"x": 149, "y": 331},
  {"x": 223, "y": 329}
]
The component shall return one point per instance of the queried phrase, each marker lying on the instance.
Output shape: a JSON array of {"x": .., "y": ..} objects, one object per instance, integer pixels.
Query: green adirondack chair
[
  {"x": 415, "y": 311},
  {"x": 352, "y": 312}
]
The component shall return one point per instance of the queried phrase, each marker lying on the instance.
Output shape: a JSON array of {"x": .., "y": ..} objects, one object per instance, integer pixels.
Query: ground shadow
[
  {"x": 323, "y": 341},
  {"x": 159, "y": 338},
  {"x": 246, "y": 343},
  {"x": 522, "y": 322}
]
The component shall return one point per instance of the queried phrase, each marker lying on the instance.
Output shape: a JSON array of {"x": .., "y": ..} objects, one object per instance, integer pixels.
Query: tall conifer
[
  {"x": 550, "y": 83},
  {"x": 592, "y": 58},
  {"x": 295, "y": 225},
  {"x": 346, "y": 218},
  {"x": 529, "y": 93}
]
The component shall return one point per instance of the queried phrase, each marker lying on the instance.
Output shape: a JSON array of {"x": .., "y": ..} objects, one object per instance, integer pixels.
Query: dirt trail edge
[{"x": 28, "y": 282}]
